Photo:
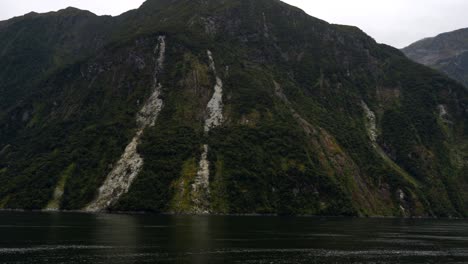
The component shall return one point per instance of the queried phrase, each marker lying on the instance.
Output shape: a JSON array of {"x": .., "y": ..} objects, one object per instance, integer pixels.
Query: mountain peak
[
  {"x": 72, "y": 11},
  {"x": 447, "y": 52}
]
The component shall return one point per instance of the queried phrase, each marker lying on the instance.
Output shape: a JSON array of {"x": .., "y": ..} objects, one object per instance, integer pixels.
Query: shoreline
[{"x": 130, "y": 213}]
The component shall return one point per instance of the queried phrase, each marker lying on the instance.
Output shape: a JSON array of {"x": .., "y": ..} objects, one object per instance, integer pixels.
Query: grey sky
[{"x": 394, "y": 22}]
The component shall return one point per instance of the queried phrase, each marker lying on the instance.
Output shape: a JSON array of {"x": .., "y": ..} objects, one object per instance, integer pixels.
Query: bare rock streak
[
  {"x": 200, "y": 187},
  {"x": 129, "y": 165}
]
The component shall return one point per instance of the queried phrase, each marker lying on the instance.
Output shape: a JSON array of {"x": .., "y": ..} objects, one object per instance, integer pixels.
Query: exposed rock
[
  {"x": 403, "y": 203},
  {"x": 371, "y": 126},
  {"x": 129, "y": 165},
  {"x": 330, "y": 155},
  {"x": 120, "y": 178},
  {"x": 443, "y": 113},
  {"x": 215, "y": 105},
  {"x": 370, "y": 123},
  {"x": 200, "y": 187},
  {"x": 401, "y": 195},
  {"x": 303, "y": 148}
]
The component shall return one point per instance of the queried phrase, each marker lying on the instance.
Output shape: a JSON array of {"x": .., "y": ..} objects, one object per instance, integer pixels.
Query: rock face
[
  {"x": 371, "y": 123},
  {"x": 215, "y": 105},
  {"x": 128, "y": 167},
  {"x": 252, "y": 107},
  {"x": 214, "y": 109},
  {"x": 447, "y": 52},
  {"x": 201, "y": 186}
]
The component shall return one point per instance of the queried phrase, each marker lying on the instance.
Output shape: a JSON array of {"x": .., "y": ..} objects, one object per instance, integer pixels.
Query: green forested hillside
[{"x": 258, "y": 108}]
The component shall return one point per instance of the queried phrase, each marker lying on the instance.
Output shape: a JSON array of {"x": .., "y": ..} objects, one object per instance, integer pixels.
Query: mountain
[
  {"x": 447, "y": 52},
  {"x": 224, "y": 106}
]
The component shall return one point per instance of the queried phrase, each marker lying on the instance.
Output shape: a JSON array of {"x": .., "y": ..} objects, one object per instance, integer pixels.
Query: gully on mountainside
[
  {"x": 215, "y": 117},
  {"x": 200, "y": 187},
  {"x": 129, "y": 165}
]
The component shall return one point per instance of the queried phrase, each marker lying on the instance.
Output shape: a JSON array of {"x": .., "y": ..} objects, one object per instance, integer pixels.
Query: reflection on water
[
  {"x": 119, "y": 232},
  {"x": 92, "y": 238},
  {"x": 192, "y": 234}
]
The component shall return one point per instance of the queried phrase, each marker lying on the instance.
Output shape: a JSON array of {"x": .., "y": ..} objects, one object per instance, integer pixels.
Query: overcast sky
[{"x": 394, "y": 22}]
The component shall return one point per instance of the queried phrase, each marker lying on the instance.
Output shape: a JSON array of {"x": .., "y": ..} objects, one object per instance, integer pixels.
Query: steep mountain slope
[
  {"x": 232, "y": 106},
  {"x": 446, "y": 52},
  {"x": 36, "y": 45}
]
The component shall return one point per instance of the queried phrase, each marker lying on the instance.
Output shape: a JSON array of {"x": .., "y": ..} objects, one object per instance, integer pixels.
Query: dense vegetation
[{"x": 295, "y": 139}]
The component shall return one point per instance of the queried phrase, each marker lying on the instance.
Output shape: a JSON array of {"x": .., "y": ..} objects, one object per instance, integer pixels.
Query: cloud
[
  {"x": 394, "y": 22},
  {"x": 11, "y": 8}
]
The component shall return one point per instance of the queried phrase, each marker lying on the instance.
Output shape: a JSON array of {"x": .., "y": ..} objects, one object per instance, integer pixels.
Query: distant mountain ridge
[
  {"x": 224, "y": 107},
  {"x": 447, "y": 52}
]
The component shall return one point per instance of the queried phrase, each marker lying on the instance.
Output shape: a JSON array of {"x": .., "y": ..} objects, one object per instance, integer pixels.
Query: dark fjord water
[{"x": 85, "y": 238}]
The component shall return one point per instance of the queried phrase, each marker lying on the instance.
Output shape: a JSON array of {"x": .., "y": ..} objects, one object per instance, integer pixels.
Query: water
[{"x": 86, "y": 238}]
